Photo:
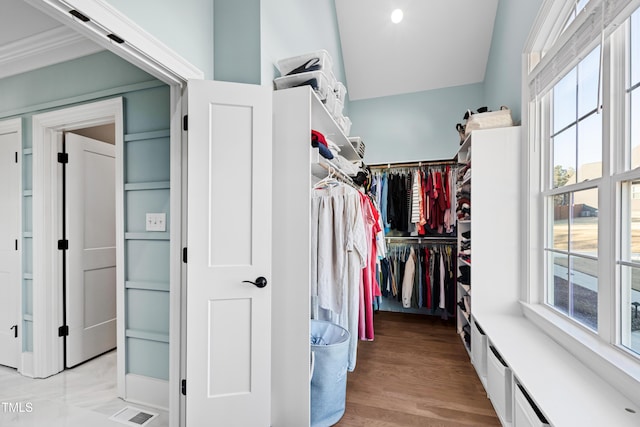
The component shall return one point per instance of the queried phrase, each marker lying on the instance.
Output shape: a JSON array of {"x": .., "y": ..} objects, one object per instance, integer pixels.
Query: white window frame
[{"x": 545, "y": 62}]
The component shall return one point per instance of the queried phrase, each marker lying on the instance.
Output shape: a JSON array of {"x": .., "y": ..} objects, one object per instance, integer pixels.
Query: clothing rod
[
  {"x": 413, "y": 164},
  {"x": 416, "y": 239}
]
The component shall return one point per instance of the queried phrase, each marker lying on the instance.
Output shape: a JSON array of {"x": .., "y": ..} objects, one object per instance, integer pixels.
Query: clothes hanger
[{"x": 329, "y": 181}]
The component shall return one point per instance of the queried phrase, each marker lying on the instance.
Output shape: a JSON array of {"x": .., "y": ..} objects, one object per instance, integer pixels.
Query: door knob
[{"x": 260, "y": 282}]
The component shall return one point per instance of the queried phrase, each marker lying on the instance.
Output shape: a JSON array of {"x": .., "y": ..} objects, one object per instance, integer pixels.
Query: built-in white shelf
[
  {"x": 145, "y": 335},
  {"x": 156, "y": 185}
]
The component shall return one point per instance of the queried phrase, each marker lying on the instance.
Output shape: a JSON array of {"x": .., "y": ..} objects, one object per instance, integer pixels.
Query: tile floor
[{"x": 83, "y": 396}]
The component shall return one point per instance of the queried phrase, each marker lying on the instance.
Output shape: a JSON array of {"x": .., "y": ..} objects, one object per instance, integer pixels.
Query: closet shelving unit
[
  {"x": 463, "y": 317},
  {"x": 296, "y": 167},
  {"x": 390, "y": 304},
  {"x": 493, "y": 226}
]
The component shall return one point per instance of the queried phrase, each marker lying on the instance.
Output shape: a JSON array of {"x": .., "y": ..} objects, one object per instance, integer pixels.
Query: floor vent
[{"x": 131, "y": 416}]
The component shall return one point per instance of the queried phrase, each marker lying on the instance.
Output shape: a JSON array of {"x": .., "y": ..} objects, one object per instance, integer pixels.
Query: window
[
  {"x": 575, "y": 159},
  {"x": 579, "y": 5},
  {"x": 584, "y": 178}
]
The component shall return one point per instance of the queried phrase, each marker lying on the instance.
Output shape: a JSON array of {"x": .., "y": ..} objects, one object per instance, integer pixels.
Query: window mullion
[
  {"x": 620, "y": 161},
  {"x": 612, "y": 87}
]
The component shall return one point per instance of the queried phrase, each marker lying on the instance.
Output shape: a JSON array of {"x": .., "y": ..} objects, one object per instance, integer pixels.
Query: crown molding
[{"x": 40, "y": 50}]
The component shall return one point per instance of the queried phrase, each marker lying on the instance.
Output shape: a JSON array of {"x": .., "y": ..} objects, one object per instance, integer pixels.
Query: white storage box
[
  {"x": 313, "y": 61},
  {"x": 338, "y": 108},
  {"x": 321, "y": 85},
  {"x": 479, "y": 351},
  {"x": 358, "y": 144},
  {"x": 345, "y": 123},
  {"x": 330, "y": 103},
  {"x": 332, "y": 80},
  {"x": 499, "y": 384},
  {"x": 341, "y": 91},
  {"x": 526, "y": 412}
]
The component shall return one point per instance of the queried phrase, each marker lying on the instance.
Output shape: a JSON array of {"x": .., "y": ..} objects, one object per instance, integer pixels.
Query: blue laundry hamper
[{"x": 330, "y": 359}]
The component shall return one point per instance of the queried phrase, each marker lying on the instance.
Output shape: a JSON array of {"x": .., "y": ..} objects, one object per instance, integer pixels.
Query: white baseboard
[
  {"x": 147, "y": 391},
  {"x": 26, "y": 364}
]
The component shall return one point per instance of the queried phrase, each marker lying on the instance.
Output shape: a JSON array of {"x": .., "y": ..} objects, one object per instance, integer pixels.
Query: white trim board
[
  {"x": 26, "y": 364},
  {"x": 147, "y": 391},
  {"x": 139, "y": 47}
]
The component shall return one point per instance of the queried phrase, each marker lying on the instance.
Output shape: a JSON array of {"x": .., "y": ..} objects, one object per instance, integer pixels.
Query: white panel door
[
  {"x": 229, "y": 242},
  {"x": 9, "y": 254},
  {"x": 91, "y": 258}
]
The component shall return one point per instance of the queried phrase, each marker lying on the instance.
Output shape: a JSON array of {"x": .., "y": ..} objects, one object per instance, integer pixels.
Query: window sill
[{"x": 613, "y": 364}]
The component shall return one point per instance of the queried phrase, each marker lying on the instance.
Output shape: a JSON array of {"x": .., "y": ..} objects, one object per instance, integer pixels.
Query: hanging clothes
[
  {"x": 407, "y": 281},
  {"x": 369, "y": 283},
  {"x": 416, "y": 200},
  {"x": 424, "y": 274},
  {"x": 338, "y": 254}
]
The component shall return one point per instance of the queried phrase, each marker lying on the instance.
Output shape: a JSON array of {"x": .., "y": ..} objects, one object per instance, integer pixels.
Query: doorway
[
  {"x": 89, "y": 234},
  {"x": 51, "y": 218},
  {"x": 147, "y": 54}
]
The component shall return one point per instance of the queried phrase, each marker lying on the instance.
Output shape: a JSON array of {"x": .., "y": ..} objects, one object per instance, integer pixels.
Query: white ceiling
[
  {"x": 438, "y": 44},
  {"x": 18, "y": 20}
]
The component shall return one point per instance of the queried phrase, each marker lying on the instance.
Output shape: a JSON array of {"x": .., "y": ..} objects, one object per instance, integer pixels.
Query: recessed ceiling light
[{"x": 396, "y": 16}]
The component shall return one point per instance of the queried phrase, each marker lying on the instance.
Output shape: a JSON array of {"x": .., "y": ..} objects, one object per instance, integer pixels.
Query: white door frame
[
  {"x": 15, "y": 126},
  {"x": 47, "y": 217},
  {"x": 147, "y": 53}
]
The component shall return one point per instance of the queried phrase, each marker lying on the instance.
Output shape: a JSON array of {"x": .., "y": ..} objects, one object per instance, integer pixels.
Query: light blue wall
[
  {"x": 294, "y": 27},
  {"x": 185, "y": 26},
  {"x": 147, "y": 189},
  {"x": 103, "y": 71},
  {"x": 415, "y": 126},
  {"x": 146, "y": 108},
  {"x": 503, "y": 79},
  {"x": 237, "y": 41}
]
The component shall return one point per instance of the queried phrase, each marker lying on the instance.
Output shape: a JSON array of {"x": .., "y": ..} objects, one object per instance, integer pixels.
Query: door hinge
[
  {"x": 79, "y": 15},
  {"x": 183, "y": 387},
  {"x": 16, "y": 157},
  {"x": 115, "y": 38},
  {"x": 16, "y": 244},
  {"x": 63, "y": 245},
  {"x": 185, "y": 122},
  {"x": 63, "y": 158},
  {"x": 184, "y": 255},
  {"x": 63, "y": 331}
]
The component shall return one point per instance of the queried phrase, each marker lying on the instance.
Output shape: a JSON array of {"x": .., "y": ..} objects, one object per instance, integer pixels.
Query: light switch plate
[{"x": 156, "y": 222}]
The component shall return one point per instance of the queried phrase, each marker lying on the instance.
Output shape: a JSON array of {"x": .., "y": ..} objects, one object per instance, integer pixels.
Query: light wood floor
[{"x": 416, "y": 373}]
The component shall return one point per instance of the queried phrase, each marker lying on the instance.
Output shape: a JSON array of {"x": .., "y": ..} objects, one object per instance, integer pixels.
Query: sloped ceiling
[{"x": 438, "y": 44}]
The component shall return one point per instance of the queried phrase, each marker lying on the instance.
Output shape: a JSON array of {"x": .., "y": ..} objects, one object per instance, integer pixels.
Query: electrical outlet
[{"x": 156, "y": 222}]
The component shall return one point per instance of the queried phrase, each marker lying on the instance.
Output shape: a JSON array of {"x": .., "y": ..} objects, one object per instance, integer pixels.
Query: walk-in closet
[
  {"x": 372, "y": 251},
  {"x": 349, "y": 213}
]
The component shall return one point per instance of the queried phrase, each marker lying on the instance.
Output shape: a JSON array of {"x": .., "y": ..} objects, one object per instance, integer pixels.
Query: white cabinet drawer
[
  {"x": 479, "y": 350},
  {"x": 499, "y": 384},
  {"x": 526, "y": 413}
]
